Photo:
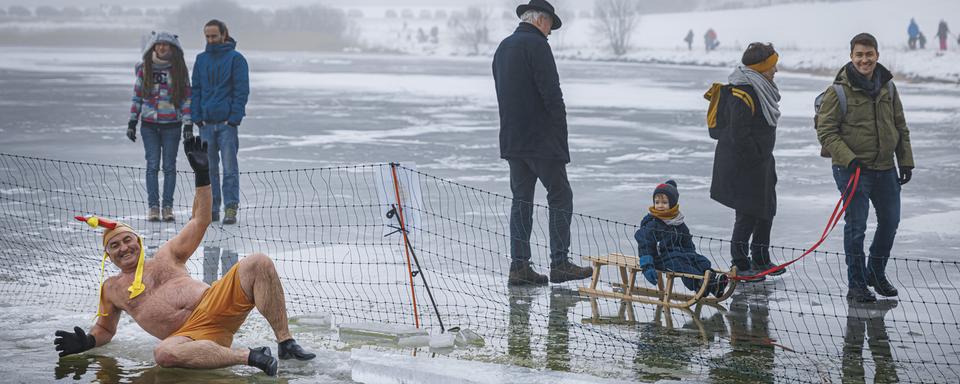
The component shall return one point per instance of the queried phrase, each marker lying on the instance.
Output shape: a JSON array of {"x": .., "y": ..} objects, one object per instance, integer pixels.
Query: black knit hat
[{"x": 668, "y": 188}]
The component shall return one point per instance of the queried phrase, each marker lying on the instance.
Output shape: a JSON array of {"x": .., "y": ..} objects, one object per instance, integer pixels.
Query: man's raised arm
[{"x": 186, "y": 242}]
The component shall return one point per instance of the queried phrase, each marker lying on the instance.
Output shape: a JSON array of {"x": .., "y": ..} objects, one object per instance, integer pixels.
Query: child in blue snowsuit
[{"x": 665, "y": 243}]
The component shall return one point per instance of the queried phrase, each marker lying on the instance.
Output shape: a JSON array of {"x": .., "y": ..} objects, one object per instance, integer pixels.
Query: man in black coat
[
  {"x": 533, "y": 140},
  {"x": 744, "y": 170}
]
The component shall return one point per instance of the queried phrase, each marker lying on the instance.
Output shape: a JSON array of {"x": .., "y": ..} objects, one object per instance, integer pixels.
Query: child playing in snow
[{"x": 665, "y": 243}]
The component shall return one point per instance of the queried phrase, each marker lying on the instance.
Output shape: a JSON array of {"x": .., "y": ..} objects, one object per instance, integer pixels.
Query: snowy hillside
[{"x": 810, "y": 36}]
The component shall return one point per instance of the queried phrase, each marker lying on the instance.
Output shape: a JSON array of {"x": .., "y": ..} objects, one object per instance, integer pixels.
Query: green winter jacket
[{"x": 872, "y": 132}]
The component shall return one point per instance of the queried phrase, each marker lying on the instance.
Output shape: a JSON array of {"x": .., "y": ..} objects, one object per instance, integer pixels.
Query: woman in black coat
[{"x": 744, "y": 170}]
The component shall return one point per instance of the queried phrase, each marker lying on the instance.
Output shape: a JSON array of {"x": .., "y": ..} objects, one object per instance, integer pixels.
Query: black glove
[
  {"x": 199, "y": 124},
  {"x": 196, "y": 151},
  {"x": 187, "y": 132},
  {"x": 854, "y": 164},
  {"x": 906, "y": 173},
  {"x": 232, "y": 124},
  {"x": 132, "y": 130},
  {"x": 70, "y": 343}
]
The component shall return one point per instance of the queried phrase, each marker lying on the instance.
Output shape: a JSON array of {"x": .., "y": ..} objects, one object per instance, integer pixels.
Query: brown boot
[
  {"x": 567, "y": 271},
  {"x": 525, "y": 275},
  {"x": 168, "y": 214},
  {"x": 153, "y": 214}
]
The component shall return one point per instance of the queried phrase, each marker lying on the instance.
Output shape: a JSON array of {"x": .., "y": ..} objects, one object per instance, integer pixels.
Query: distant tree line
[{"x": 305, "y": 27}]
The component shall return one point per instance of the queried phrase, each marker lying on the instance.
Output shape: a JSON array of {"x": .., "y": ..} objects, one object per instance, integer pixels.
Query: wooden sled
[
  {"x": 663, "y": 316},
  {"x": 629, "y": 267}
]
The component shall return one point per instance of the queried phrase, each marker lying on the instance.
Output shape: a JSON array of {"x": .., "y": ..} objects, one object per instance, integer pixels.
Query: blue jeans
[
  {"x": 523, "y": 183},
  {"x": 160, "y": 141},
  {"x": 883, "y": 189},
  {"x": 223, "y": 145}
]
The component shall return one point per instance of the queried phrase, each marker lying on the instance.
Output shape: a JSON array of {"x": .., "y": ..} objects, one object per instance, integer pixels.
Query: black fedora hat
[{"x": 543, "y": 6}]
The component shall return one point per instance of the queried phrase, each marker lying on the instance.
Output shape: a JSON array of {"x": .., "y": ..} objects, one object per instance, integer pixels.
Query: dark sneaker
[
  {"x": 882, "y": 286},
  {"x": 215, "y": 217},
  {"x": 860, "y": 295},
  {"x": 153, "y": 214},
  {"x": 763, "y": 267},
  {"x": 567, "y": 271},
  {"x": 291, "y": 350},
  {"x": 263, "y": 359},
  {"x": 230, "y": 216},
  {"x": 525, "y": 275},
  {"x": 741, "y": 273},
  {"x": 168, "y": 214}
]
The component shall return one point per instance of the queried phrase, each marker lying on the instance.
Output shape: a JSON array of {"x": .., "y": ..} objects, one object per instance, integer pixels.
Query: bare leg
[
  {"x": 183, "y": 352},
  {"x": 261, "y": 284}
]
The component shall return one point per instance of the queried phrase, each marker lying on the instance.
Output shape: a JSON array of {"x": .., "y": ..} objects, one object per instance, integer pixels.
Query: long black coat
[
  {"x": 744, "y": 170},
  {"x": 533, "y": 117}
]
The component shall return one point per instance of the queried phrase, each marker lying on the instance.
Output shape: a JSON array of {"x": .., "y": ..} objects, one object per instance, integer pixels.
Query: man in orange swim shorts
[{"x": 195, "y": 322}]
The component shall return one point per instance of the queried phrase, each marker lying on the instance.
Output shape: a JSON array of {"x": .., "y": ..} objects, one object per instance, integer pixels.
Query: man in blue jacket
[
  {"x": 533, "y": 140},
  {"x": 221, "y": 85}
]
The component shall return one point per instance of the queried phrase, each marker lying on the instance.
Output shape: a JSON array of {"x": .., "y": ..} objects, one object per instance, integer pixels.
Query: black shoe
[
  {"x": 567, "y": 271},
  {"x": 741, "y": 273},
  {"x": 882, "y": 286},
  {"x": 215, "y": 217},
  {"x": 525, "y": 275},
  {"x": 263, "y": 359},
  {"x": 763, "y": 267},
  {"x": 860, "y": 295},
  {"x": 290, "y": 349}
]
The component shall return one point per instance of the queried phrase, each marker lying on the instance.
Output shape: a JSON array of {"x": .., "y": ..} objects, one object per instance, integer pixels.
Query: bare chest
[{"x": 170, "y": 297}]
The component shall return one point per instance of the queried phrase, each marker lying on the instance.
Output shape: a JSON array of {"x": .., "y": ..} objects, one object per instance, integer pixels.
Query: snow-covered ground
[{"x": 810, "y": 36}]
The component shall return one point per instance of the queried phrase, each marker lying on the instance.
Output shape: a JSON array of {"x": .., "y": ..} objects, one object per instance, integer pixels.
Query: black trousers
[
  {"x": 750, "y": 233},
  {"x": 524, "y": 174}
]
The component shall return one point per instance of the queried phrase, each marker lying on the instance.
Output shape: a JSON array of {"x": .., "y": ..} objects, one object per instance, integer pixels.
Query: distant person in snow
[
  {"x": 913, "y": 34},
  {"x": 221, "y": 86},
  {"x": 942, "y": 33},
  {"x": 870, "y": 135},
  {"x": 161, "y": 101},
  {"x": 922, "y": 40},
  {"x": 533, "y": 140},
  {"x": 710, "y": 40},
  {"x": 665, "y": 244},
  {"x": 744, "y": 169},
  {"x": 689, "y": 40}
]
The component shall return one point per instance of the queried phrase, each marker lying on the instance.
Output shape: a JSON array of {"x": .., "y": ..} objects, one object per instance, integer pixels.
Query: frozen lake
[{"x": 631, "y": 127}]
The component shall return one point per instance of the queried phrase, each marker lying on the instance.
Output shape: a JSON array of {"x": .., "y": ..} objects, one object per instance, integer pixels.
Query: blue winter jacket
[{"x": 221, "y": 84}]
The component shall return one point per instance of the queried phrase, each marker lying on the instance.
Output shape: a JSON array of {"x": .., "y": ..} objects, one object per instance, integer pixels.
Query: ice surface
[
  {"x": 370, "y": 330},
  {"x": 372, "y": 367}
]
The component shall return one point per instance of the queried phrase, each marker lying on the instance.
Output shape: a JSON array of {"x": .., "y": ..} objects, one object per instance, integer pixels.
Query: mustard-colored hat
[{"x": 114, "y": 229}]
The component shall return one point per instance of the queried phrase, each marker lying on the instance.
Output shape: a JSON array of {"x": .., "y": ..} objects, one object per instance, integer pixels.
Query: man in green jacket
[{"x": 873, "y": 137}]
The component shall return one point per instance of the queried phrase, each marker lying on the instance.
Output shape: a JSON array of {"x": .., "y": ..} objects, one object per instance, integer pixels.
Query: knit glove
[
  {"x": 196, "y": 151},
  {"x": 70, "y": 343},
  {"x": 187, "y": 132},
  {"x": 132, "y": 130}
]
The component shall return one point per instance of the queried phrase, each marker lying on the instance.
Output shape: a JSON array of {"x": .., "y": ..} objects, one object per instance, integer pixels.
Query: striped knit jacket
[{"x": 155, "y": 105}]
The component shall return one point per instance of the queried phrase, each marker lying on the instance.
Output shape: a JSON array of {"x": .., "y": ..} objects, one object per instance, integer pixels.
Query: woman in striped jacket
[{"x": 161, "y": 101}]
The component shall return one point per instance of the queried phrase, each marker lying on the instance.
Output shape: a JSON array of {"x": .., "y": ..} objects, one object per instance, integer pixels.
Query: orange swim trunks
[{"x": 222, "y": 309}]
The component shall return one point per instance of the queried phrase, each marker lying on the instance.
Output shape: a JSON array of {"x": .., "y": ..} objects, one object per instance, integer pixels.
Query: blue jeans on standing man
[
  {"x": 223, "y": 144},
  {"x": 160, "y": 141},
  {"x": 882, "y": 188}
]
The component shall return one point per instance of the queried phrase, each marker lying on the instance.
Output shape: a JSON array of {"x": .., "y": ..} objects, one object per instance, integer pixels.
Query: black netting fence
[{"x": 338, "y": 252}]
